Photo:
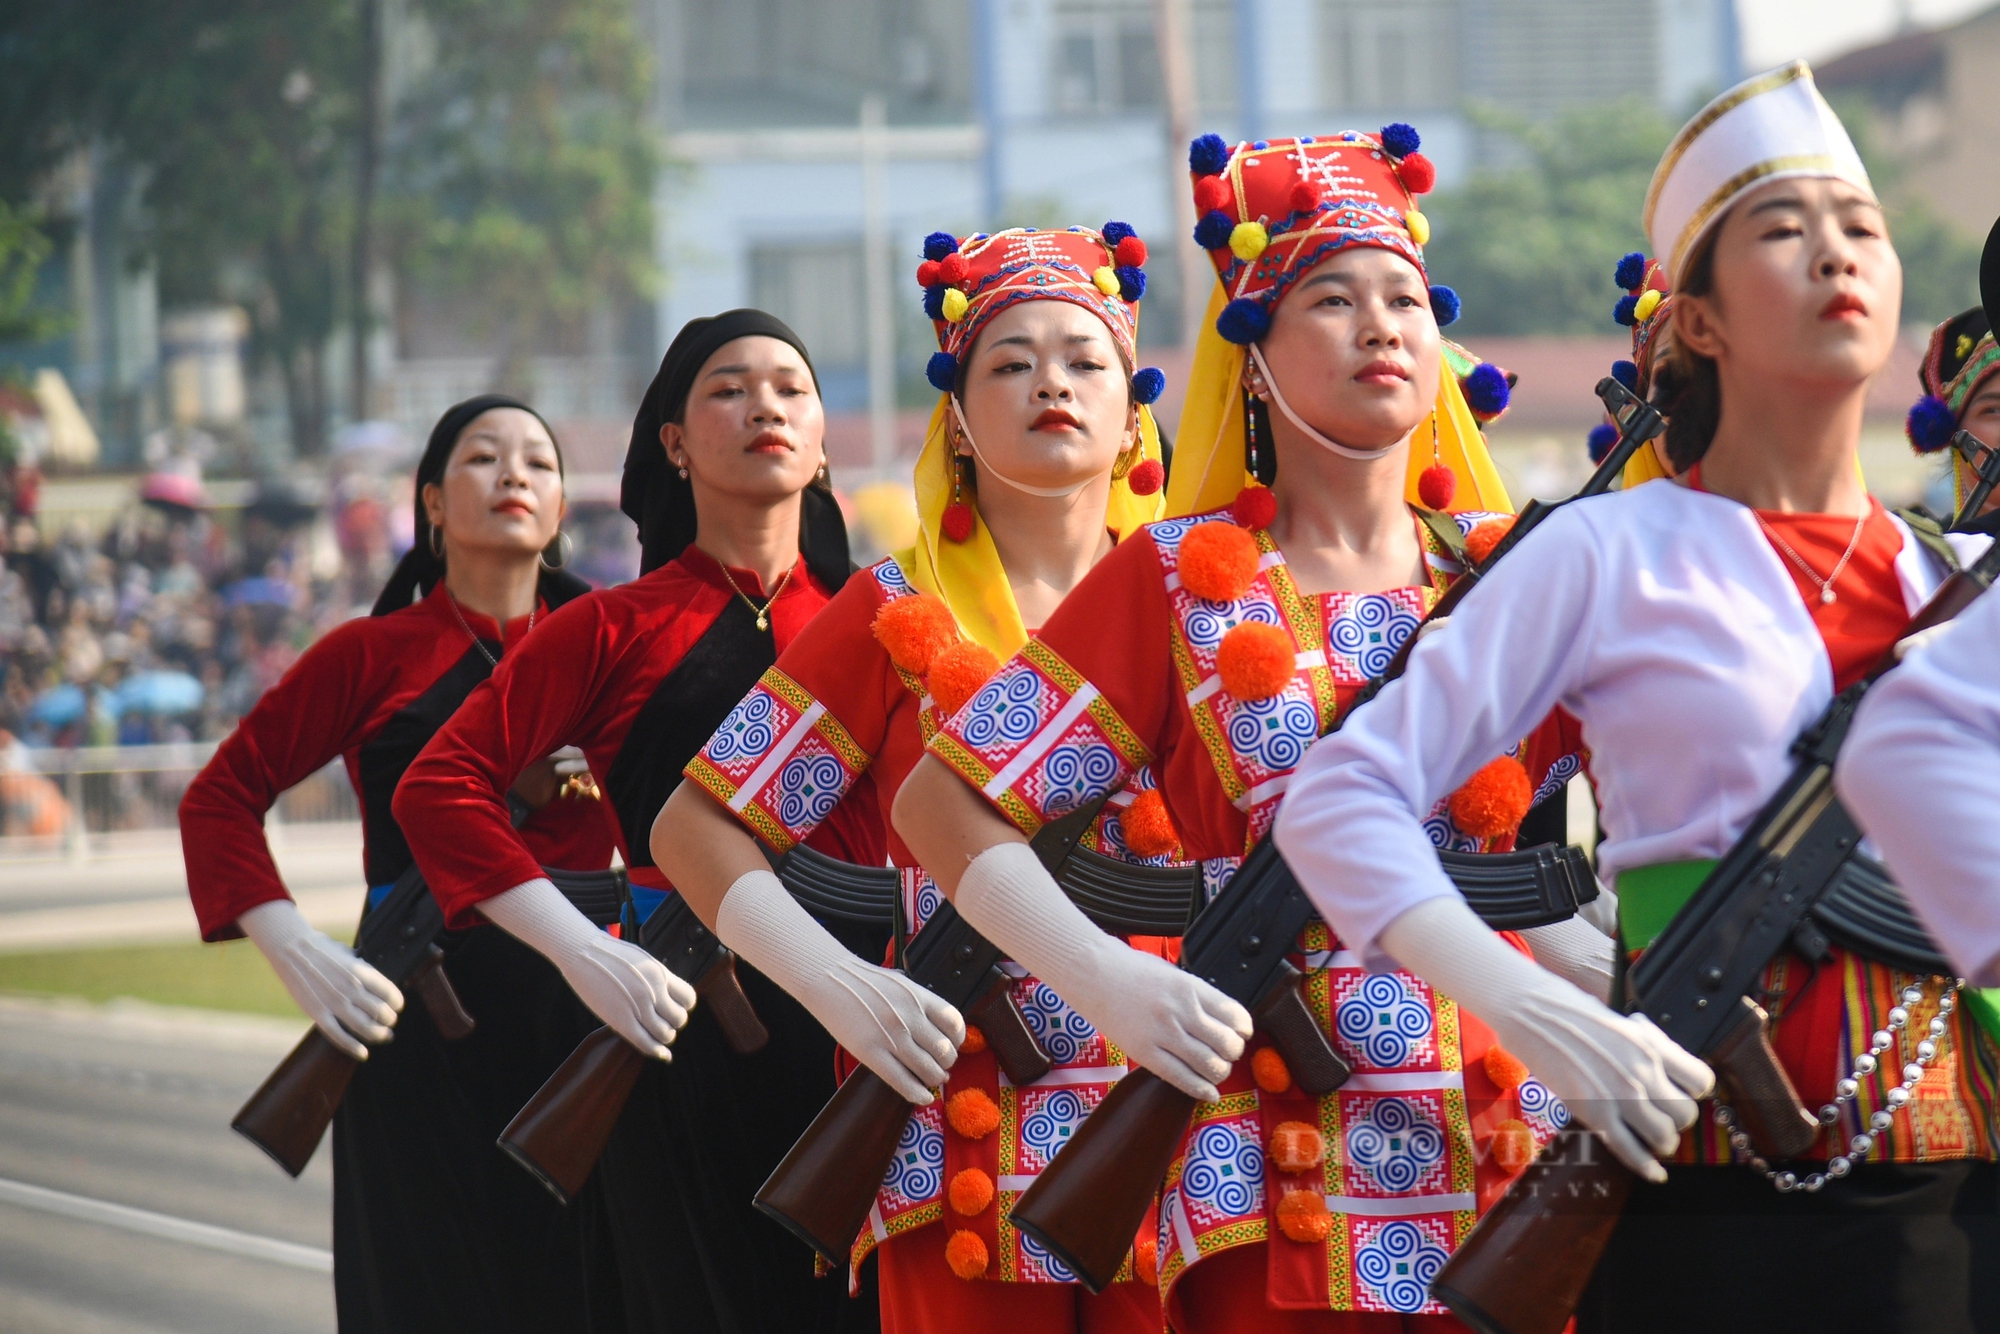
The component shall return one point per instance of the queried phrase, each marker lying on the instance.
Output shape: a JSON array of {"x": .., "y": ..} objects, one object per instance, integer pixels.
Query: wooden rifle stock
[
  {"x": 722, "y": 992},
  {"x": 821, "y": 1193},
  {"x": 559, "y": 1136}
]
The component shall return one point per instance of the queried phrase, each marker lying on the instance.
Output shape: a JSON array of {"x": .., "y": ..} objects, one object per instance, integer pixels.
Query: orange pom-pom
[
  {"x": 1479, "y": 543},
  {"x": 971, "y": 1191},
  {"x": 956, "y": 525},
  {"x": 972, "y": 1114},
  {"x": 966, "y": 1254},
  {"x": 1254, "y": 507},
  {"x": 1146, "y": 477},
  {"x": 957, "y": 673},
  {"x": 915, "y": 630},
  {"x": 1493, "y": 800},
  {"x": 1297, "y": 1146},
  {"x": 1149, "y": 830},
  {"x": 975, "y": 1041},
  {"x": 1146, "y": 1260},
  {"x": 1255, "y": 660},
  {"x": 1436, "y": 485},
  {"x": 1218, "y": 561},
  {"x": 1504, "y": 1068},
  {"x": 1302, "y": 1216},
  {"x": 1268, "y": 1068},
  {"x": 1513, "y": 1146}
]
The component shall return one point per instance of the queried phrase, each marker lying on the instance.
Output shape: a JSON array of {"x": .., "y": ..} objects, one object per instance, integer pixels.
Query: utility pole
[
  {"x": 1177, "y": 77},
  {"x": 875, "y": 279}
]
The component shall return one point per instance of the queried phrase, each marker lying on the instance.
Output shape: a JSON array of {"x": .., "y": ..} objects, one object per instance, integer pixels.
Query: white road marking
[{"x": 166, "y": 1226}]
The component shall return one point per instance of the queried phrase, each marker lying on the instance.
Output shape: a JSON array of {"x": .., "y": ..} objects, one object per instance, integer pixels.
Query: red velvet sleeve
[{"x": 318, "y": 711}]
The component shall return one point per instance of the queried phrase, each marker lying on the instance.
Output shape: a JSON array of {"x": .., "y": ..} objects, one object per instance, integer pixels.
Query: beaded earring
[
  {"x": 1437, "y": 484},
  {"x": 957, "y": 522},
  {"x": 1249, "y": 432}
]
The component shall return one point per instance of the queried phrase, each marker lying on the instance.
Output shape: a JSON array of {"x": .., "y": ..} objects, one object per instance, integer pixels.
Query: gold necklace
[{"x": 763, "y": 612}]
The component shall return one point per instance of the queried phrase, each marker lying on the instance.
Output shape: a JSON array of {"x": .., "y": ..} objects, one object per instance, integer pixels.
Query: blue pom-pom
[
  {"x": 934, "y": 302},
  {"x": 942, "y": 371},
  {"x": 1243, "y": 322},
  {"x": 1631, "y": 271},
  {"x": 1444, "y": 305},
  {"x": 1208, "y": 155},
  {"x": 1131, "y": 282},
  {"x": 1602, "y": 437},
  {"x": 939, "y": 244},
  {"x": 1212, "y": 232},
  {"x": 1627, "y": 374},
  {"x": 1148, "y": 383},
  {"x": 1931, "y": 424},
  {"x": 1114, "y": 232},
  {"x": 1486, "y": 390},
  {"x": 1401, "y": 140},
  {"x": 1624, "y": 311}
]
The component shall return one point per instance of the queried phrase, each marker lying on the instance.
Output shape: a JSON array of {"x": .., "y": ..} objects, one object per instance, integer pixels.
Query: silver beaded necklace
[{"x": 477, "y": 642}]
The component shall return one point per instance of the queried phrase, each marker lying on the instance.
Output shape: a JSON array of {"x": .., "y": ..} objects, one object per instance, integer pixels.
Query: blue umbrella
[
  {"x": 160, "y": 692},
  {"x": 260, "y": 591},
  {"x": 59, "y": 706}
]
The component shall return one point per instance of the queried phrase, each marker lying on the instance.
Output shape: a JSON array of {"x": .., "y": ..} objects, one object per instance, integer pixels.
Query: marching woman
[
  {"x": 1695, "y": 626},
  {"x": 1960, "y": 374},
  {"x": 741, "y": 545},
  {"x": 1211, "y": 651},
  {"x": 433, "y": 1228},
  {"x": 1041, "y": 455}
]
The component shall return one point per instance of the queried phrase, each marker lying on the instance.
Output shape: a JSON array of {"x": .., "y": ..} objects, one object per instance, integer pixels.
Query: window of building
[
  {"x": 1106, "y": 58},
  {"x": 1380, "y": 56},
  {"x": 816, "y": 288}
]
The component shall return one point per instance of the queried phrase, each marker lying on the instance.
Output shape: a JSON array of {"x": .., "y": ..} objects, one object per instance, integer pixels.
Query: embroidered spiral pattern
[
  {"x": 1398, "y": 1263},
  {"x": 1076, "y": 772},
  {"x": 1273, "y": 732},
  {"x": 1444, "y": 834},
  {"x": 1370, "y": 631},
  {"x": 1207, "y": 622},
  {"x": 1225, "y": 1171},
  {"x": 1169, "y": 532},
  {"x": 1395, "y": 1143},
  {"x": 917, "y": 1171},
  {"x": 1537, "y": 1101},
  {"x": 1062, "y": 1032},
  {"x": 809, "y": 788},
  {"x": 1051, "y": 1266},
  {"x": 749, "y": 731},
  {"x": 1383, "y": 1019},
  {"x": 1055, "y": 1118},
  {"x": 1564, "y": 769},
  {"x": 928, "y": 899},
  {"x": 890, "y": 576},
  {"x": 1006, "y": 709}
]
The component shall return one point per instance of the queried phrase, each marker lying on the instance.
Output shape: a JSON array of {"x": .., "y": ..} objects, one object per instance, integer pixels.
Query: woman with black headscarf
[
  {"x": 742, "y": 544},
  {"x": 433, "y": 1228}
]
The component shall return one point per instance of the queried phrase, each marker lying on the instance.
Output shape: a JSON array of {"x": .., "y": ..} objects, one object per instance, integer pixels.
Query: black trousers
[
  {"x": 698, "y": 1138},
  {"x": 434, "y": 1229},
  {"x": 1893, "y": 1247}
]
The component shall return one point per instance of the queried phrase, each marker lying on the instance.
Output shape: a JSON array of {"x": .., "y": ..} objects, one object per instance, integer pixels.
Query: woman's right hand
[{"x": 341, "y": 993}]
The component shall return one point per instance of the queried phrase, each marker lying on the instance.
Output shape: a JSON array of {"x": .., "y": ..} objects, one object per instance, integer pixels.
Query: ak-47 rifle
[{"x": 1090, "y": 1200}]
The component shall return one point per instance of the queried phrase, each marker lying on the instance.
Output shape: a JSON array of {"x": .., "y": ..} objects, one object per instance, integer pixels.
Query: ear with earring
[
  {"x": 681, "y": 467},
  {"x": 563, "y": 544},
  {"x": 437, "y": 541}
]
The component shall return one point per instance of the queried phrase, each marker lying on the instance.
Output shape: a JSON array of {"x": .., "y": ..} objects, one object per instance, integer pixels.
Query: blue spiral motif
[
  {"x": 748, "y": 731},
  {"x": 1077, "y": 772},
  {"x": 1444, "y": 834},
  {"x": 1055, "y": 1118},
  {"x": 1057, "y": 1271},
  {"x": 1395, "y": 1143},
  {"x": 1062, "y": 1032},
  {"x": 1167, "y": 533},
  {"x": 890, "y": 575},
  {"x": 1273, "y": 732},
  {"x": 1564, "y": 769},
  {"x": 1207, "y": 622},
  {"x": 928, "y": 899},
  {"x": 916, "y": 1173},
  {"x": 1383, "y": 1019},
  {"x": 809, "y": 787},
  {"x": 1398, "y": 1264},
  {"x": 1537, "y": 1101},
  {"x": 1225, "y": 1171},
  {"x": 1370, "y": 631},
  {"x": 1007, "y": 708},
  {"x": 1216, "y": 873}
]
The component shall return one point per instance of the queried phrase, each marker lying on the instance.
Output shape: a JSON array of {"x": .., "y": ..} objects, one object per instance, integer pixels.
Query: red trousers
[
  {"x": 1224, "y": 1294},
  {"x": 920, "y": 1295}
]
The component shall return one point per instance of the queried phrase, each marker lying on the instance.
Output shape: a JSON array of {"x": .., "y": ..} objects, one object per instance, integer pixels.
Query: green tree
[
  {"x": 1940, "y": 262},
  {"x": 23, "y": 247}
]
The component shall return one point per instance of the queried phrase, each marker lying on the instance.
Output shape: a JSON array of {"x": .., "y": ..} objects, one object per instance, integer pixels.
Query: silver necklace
[
  {"x": 477, "y": 642},
  {"x": 1826, "y": 593}
]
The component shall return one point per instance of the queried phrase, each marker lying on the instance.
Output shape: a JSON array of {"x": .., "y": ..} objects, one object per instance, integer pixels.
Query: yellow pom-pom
[
  {"x": 972, "y": 1113},
  {"x": 1106, "y": 279},
  {"x": 1247, "y": 240},
  {"x": 971, "y": 1191},
  {"x": 1649, "y": 301},
  {"x": 966, "y": 1254},
  {"x": 954, "y": 311},
  {"x": 1420, "y": 227}
]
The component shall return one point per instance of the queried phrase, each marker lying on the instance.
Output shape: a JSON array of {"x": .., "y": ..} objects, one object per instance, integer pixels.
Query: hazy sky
[{"x": 1775, "y": 31}]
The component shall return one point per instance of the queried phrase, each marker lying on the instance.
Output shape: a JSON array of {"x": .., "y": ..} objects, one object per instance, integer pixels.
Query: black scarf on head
[
  {"x": 655, "y": 496},
  {"x": 420, "y": 569}
]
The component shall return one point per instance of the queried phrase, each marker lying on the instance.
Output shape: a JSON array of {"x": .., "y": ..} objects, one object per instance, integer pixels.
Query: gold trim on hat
[
  {"x": 1737, "y": 184},
  {"x": 1708, "y": 115}
]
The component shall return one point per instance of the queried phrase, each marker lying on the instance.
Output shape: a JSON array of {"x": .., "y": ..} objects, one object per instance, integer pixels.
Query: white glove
[
  {"x": 1432, "y": 627},
  {"x": 1602, "y": 911},
  {"x": 569, "y": 762},
  {"x": 903, "y": 1032},
  {"x": 1576, "y": 952},
  {"x": 1167, "y": 1020},
  {"x": 1917, "y": 642},
  {"x": 623, "y": 985},
  {"x": 340, "y": 993},
  {"x": 1621, "y": 1076}
]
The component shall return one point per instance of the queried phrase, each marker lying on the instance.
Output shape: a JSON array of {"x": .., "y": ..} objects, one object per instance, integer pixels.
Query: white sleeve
[
  {"x": 1921, "y": 773},
  {"x": 1351, "y": 826}
]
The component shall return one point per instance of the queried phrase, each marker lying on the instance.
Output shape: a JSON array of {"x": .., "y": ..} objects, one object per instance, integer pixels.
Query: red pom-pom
[
  {"x": 951, "y": 269},
  {"x": 1254, "y": 507},
  {"x": 957, "y": 522},
  {"x": 966, "y": 1254},
  {"x": 1268, "y": 1068},
  {"x": 1504, "y": 1068},
  {"x": 1297, "y": 1146},
  {"x": 1130, "y": 253},
  {"x": 1256, "y": 661},
  {"x": 1218, "y": 561},
  {"x": 970, "y": 1192},
  {"x": 1303, "y": 196},
  {"x": 972, "y": 1113},
  {"x": 1436, "y": 485},
  {"x": 1485, "y": 536},
  {"x": 1493, "y": 800},
  {"x": 1513, "y": 1146},
  {"x": 927, "y": 273},
  {"x": 1302, "y": 1216},
  {"x": 1212, "y": 194},
  {"x": 1418, "y": 174},
  {"x": 1149, "y": 830},
  {"x": 957, "y": 673},
  {"x": 1147, "y": 476},
  {"x": 1146, "y": 1260},
  {"x": 915, "y": 630}
]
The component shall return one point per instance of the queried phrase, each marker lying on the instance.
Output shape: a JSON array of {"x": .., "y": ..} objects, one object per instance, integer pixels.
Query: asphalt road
[{"x": 126, "y": 1203}]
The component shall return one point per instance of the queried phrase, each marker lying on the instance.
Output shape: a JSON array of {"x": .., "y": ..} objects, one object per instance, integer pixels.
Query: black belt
[
  {"x": 598, "y": 895},
  {"x": 1866, "y": 912}
]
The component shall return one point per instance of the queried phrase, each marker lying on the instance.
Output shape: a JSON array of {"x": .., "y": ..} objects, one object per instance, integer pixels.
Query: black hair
[{"x": 1686, "y": 385}]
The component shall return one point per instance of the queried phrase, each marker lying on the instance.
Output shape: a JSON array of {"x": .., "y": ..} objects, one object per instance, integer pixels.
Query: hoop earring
[
  {"x": 437, "y": 542},
  {"x": 563, "y": 544}
]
